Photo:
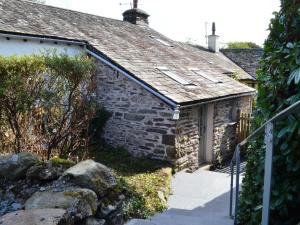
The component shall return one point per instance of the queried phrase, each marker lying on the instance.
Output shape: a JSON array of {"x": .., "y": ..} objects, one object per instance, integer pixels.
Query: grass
[{"x": 145, "y": 182}]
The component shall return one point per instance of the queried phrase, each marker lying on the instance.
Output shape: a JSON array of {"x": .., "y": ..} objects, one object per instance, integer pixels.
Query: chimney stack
[
  {"x": 135, "y": 15},
  {"x": 135, "y": 4},
  {"x": 213, "y": 40}
]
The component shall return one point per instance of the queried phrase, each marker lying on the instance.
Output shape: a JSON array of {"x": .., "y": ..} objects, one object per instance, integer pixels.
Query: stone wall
[
  {"x": 140, "y": 122},
  {"x": 225, "y": 122},
  {"x": 224, "y": 132},
  {"x": 187, "y": 139},
  {"x": 143, "y": 124}
]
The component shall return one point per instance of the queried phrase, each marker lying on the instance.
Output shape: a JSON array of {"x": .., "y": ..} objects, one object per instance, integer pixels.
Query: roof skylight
[
  {"x": 162, "y": 41},
  {"x": 172, "y": 75},
  {"x": 205, "y": 75}
]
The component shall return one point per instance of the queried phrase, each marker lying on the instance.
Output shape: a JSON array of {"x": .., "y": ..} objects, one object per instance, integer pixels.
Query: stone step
[
  {"x": 140, "y": 222},
  {"x": 205, "y": 166}
]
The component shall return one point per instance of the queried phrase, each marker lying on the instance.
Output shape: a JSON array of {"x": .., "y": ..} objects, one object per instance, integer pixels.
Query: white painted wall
[{"x": 20, "y": 47}]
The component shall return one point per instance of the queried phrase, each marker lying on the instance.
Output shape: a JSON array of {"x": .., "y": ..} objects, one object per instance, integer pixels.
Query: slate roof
[
  {"x": 248, "y": 59},
  {"x": 225, "y": 64},
  {"x": 130, "y": 46}
]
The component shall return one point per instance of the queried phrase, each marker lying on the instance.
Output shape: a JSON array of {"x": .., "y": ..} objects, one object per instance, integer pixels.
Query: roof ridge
[{"x": 65, "y": 9}]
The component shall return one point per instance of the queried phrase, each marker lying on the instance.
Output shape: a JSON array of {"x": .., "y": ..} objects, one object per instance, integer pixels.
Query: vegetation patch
[
  {"x": 56, "y": 161},
  {"x": 242, "y": 44},
  {"x": 279, "y": 85},
  {"x": 47, "y": 104},
  {"x": 145, "y": 182}
]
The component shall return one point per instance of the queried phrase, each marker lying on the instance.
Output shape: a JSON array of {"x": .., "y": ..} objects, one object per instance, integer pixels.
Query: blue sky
[{"x": 236, "y": 20}]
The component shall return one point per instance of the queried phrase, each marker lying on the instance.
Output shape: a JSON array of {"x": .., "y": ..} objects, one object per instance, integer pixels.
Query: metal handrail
[{"x": 268, "y": 127}]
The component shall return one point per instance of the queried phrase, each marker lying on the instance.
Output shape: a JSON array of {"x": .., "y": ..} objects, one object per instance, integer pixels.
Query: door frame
[
  {"x": 202, "y": 128},
  {"x": 207, "y": 145}
]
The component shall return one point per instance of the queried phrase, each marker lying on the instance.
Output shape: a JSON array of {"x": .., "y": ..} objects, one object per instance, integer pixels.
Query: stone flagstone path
[{"x": 199, "y": 198}]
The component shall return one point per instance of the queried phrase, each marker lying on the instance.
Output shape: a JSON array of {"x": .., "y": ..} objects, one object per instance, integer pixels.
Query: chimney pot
[
  {"x": 213, "y": 28},
  {"x": 213, "y": 40},
  {"x": 135, "y": 4},
  {"x": 135, "y": 15}
]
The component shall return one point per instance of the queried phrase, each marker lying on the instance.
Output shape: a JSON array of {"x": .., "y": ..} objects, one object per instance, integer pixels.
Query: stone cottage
[{"x": 169, "y": 100}]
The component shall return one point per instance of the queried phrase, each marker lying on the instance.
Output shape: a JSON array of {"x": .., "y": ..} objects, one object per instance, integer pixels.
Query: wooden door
[{"x": 202, "y": 133}]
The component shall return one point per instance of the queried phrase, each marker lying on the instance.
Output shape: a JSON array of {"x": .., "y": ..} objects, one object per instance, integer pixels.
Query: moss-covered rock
[
  {"x": 92, "y": 175},
  {"x": 13, "y": 167},
  {"x": 78, "y": 202},
  {"x": 56, "y": 161},
  {"x": 47, "y": 171},
  {"x": 36, "y": 217}
]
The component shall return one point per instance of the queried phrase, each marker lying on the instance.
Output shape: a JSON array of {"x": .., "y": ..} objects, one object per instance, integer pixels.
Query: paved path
[{"x": 199, "y": 198}]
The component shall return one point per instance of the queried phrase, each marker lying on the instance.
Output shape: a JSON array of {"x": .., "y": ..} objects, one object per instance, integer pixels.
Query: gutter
[
  {"x": 216, "y": 100},
  {"x": 41, "y": 38}
]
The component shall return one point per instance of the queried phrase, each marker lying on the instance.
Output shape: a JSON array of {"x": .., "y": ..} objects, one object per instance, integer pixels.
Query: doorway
[{"x": 202, "y": 134}]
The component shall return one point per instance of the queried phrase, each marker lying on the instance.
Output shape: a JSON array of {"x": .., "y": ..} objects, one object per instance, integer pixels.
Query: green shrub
[
  {"x": 47, "y": 103},
  {"x": 242, "y": 44},
  {"x": 279, "y": 87}
]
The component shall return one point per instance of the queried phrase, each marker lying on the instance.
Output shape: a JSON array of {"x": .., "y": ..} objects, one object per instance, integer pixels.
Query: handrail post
[
  {"x": 231, "y": 188},
  {"x": 237, "y": 183},
  {"x": 269, "y": 135}
]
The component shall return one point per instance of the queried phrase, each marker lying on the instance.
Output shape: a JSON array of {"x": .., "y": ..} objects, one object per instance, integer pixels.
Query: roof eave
[{"x": 211, "y": 100}]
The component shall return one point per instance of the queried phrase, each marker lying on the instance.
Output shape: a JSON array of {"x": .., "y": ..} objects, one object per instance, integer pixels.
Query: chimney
[
  {"x": 136, "y": 15},
  {"x": 213, "y": 40}
]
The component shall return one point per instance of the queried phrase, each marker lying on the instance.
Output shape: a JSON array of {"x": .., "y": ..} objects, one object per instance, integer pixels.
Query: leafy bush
[
  {"x": 47, "y": 103},
  {"x": 242, "y": 44},
  {"x": 279, "y": 87}
]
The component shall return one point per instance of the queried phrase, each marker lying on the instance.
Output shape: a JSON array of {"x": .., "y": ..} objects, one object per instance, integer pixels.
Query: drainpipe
[{"x": 176, "y": 113}]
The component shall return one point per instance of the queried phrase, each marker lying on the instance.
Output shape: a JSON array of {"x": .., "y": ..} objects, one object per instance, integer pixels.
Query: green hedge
[
  {"x": 242, "y": 44},
  {"x": 279, "y": 87}
]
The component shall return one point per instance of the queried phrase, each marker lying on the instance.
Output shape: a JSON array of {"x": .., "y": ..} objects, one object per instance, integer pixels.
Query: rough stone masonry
[{"x": 143, "y": 124}]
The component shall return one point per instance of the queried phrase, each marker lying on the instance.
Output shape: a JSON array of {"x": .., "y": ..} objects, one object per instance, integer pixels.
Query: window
[
  {"x": 175, "y": 77},
  {"x": 162, "y": 41},
  {"x": 205, "y": 75}
]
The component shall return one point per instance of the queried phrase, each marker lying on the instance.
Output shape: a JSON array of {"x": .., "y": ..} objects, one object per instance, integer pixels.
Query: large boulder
[
  {"x": 78, "y": 202},
  {"x": 36, "y": 217},
  {"x": 92, "y": 175},
  {"x": 50, "y": 170},
  {"x": 13, "y": 167}
]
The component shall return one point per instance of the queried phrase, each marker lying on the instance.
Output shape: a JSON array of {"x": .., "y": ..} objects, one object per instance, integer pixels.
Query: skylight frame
[
  {"x": 205, "y": 75},
  {"x": 161, "y": 41},
  {"x": 174, "y": 76}
]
